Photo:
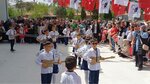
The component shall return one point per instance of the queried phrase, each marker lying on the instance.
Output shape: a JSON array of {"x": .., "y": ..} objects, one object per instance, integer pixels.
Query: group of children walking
[{"x": 86, "y": 53}]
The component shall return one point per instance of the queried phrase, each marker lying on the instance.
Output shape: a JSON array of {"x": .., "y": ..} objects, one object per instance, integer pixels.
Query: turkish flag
[
  {"x": 144, "y": 3},
  {"x": 97, "y": 4},
  {"x": 147, "y": 13},
  {"x": 63, "y": 3},
  {"x": 118, "y": 9},
  {"x": 83, "y": 3},
  {"x": 147, "y": 17},
  {"x": 90, "y": 5}
]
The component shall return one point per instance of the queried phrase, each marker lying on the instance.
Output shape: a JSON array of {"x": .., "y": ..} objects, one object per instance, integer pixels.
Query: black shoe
[
  {"x": 139, "y": 69},
  {"x": 12, "y": 50}
]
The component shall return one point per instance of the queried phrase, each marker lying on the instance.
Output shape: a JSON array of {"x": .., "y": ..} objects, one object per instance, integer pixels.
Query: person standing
[
  {"x": 77, "y": 43},
  {"x": 45, "y": 60},
  {"x": 43, "y": 37},
  {"x": 11, "y": 35},
  {"x": 96, "y": 30},
  {"x": 54, "y": 35},
  {"x": 66, "y": 33},
  {"x": 92, "y": 56}
]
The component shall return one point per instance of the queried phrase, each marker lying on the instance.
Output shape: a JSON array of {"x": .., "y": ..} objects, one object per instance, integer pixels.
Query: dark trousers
[
  {"x": 79, "y": 58},
  {"x": 97, "y": 37},
  {"x": 94, "y": 77},
  {"x": 12, "y": 42},
  {"x": 139, "y": 61},
  {"x": 46, "y": 78},
  {"x": 113, "y": 44},
  {"x": 55, "y": 45},
  {"x": 41, "y": 46},
  {"x": 66, "y": 40}
]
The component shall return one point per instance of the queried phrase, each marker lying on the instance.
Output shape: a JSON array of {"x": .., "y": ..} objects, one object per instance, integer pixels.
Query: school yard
[{"x": 20, "y": 68}]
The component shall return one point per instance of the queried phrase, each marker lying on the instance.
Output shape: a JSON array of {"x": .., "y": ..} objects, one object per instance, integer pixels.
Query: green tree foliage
[
  {"x": 108, "y": 16},
  {"x": 13, "y": 12},
  {"x": 70, "y": 13},
  {"x": 95, "y": 14},
  {"x": 83, "y": 14},
  {"x": 53, "y": 8},
  {"x": 39, "y": 10},
  {"x": 61, "y": 12}
]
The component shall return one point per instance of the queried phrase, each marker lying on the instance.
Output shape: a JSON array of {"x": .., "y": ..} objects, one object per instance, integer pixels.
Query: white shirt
[
  {"x": 129, "y": 36},
  {"x": 89, "y": 33},
  {"x": 92, "y": 53},
  {"x": 95, "y": 28},
  {"x": 43, "y": 37},
  {"x": 11, "y": 34},
  {"x": 40, "y": 29},
  {"x": 70, "y": 78},
  {"x": 81, "y": 51},
  {"x": 77, "y": 41},
  {"x": 66, "y": 32},
  {"x": 44, "y": 56},
  {"x": 73, "y": 34},
  {"x": 54, "y": 35},
  {"x": 56, "y": 54},
  {"x": 21, "y": 30}
]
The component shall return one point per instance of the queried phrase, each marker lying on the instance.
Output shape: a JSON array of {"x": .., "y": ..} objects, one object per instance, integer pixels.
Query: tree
[
  {"x": 95, "y": 14},
  {"x": 108, "y": 16},
  {"x": 70, "y": 13},
  {"x": 61, "y": 12},
  {"x": 39, "y": 10},
  {"x": 13, "y": 12},
  {"x": 83, "y": 13}
]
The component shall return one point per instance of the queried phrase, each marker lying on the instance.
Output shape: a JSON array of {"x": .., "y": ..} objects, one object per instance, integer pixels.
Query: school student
[
  {"x": 93, "y": 57},
  {"x": 84, "y": 64},
  {"x": 45, "y": 60},
  {"x": 57, "y": 62},
  {"x": 69, "y": 76},
  {"x": 77, "y": 43},
  {"x": 54, "y": 35},
  {"x": 45, "y": 36},
  {"x": 11, "y": 35}
]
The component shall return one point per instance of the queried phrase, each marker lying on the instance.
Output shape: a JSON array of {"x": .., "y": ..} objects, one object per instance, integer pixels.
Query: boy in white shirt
[
  {"x": 93, "y": 56},
  {"x": 77, "y": 43},
  {"x": 45, "y": 60},
  {"x": 70, "y": 77},
  {"x": 12, "y": 36},
  {"x": 54, "y": 35},
  {"x": 66, "y": 33}
]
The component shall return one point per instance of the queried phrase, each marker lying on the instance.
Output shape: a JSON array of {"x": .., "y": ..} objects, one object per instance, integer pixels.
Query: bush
[
  {"x": 70, "y": 13},
  {"x": 13, "y": 12},
  {"x": 61, "y": 12}
]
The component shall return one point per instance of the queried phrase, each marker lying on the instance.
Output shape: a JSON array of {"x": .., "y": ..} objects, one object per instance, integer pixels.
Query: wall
[{"x": 3, "y": 10}]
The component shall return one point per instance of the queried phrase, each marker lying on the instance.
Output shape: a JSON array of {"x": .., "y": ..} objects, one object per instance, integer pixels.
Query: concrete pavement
[{"x": 20, "y": 68}]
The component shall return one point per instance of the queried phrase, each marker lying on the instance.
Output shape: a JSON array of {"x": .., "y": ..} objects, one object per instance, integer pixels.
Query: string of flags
[{"x": 118, "y": 7}]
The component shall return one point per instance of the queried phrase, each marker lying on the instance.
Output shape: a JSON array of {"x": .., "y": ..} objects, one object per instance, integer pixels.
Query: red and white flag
[
  {"x": 134, "y": 10},
  {"x": 104, "y": 6},
  {"x": 89, "y": 5},
  {"x": 121, "y": 2},
  {"x": 74, "y": 4}
]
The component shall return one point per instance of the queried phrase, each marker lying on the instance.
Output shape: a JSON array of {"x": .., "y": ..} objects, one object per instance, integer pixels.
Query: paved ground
[{"x": 19, "y": 67}]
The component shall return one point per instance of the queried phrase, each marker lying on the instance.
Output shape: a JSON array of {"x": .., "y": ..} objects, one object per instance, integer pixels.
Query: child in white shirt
[{"x": 69, "y": 76}]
